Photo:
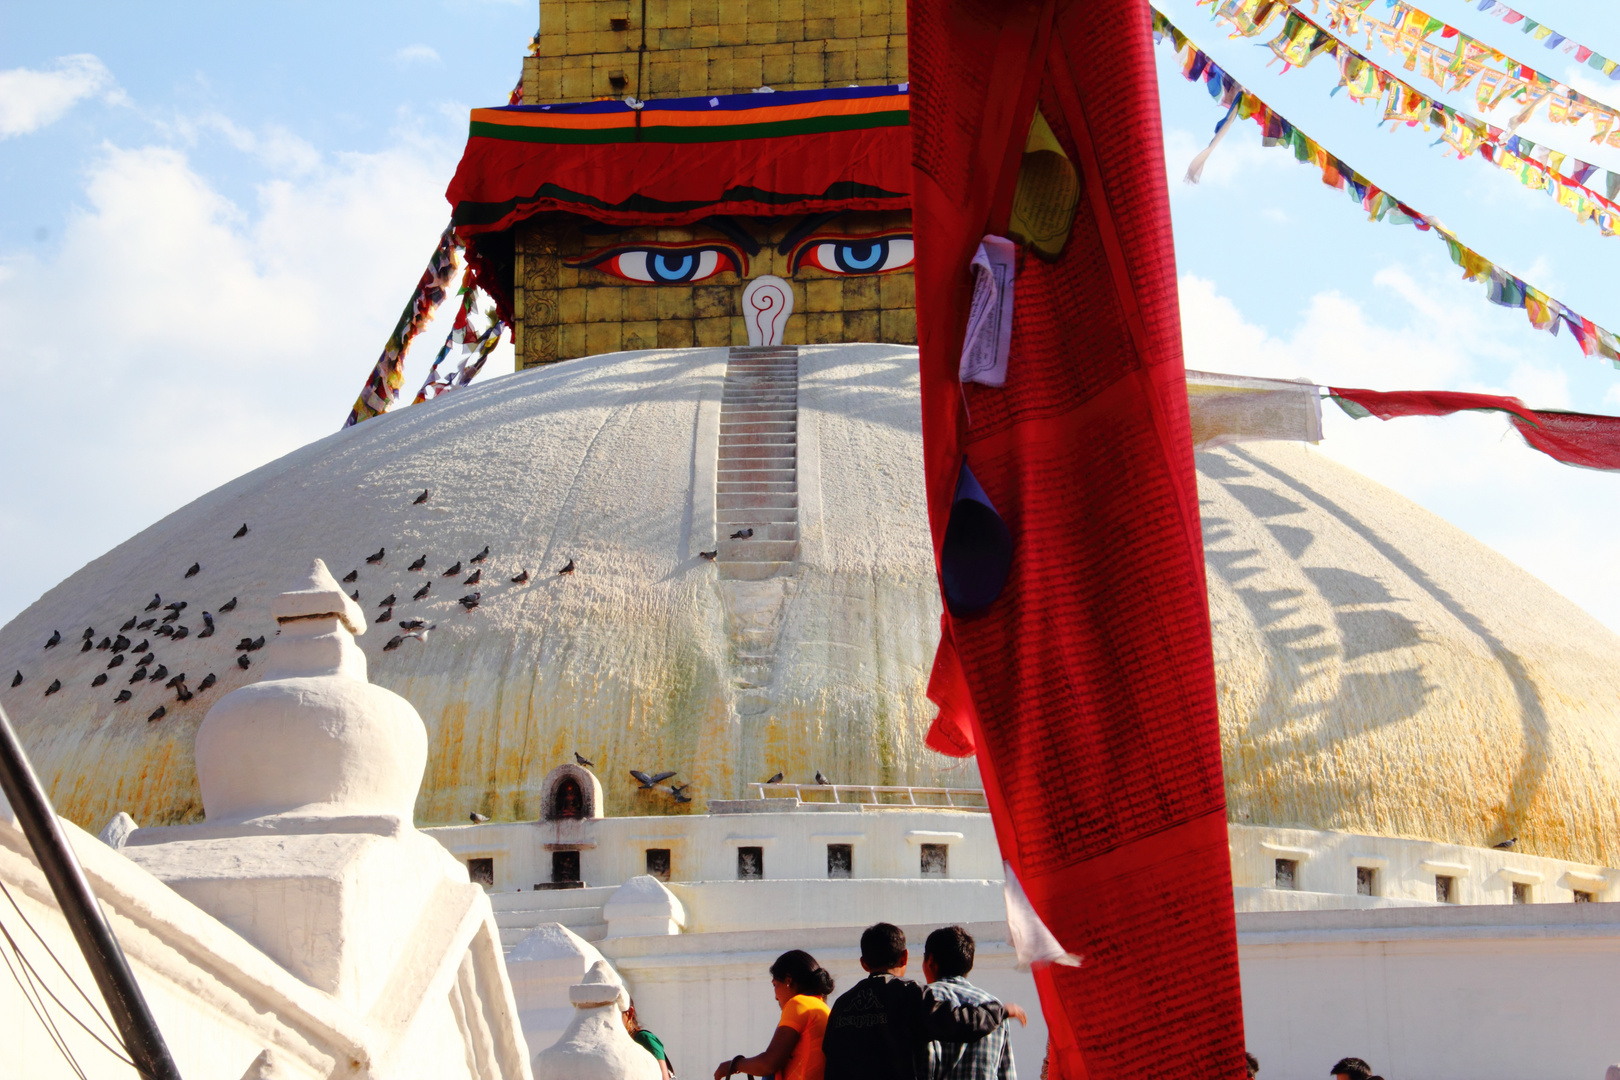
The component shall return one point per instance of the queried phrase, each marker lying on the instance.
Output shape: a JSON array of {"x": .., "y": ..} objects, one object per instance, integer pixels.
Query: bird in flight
[
  {"x": 650, "y": 781},
  {"x": 420, "y": 499},
  {"x": 569, "y": 569},
  {"x": 679, "y": 797},
  {"x": 822, "y": 780},
  {"x": 521, "y": 579},
  {"x": 243, "y": 531},
  {"x": 777, "y": 779},
  {"x": 579, "y": 759},
  {"x": 378, "y": 557}
]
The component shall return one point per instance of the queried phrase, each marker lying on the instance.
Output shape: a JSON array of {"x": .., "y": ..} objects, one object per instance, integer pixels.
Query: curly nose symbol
[{"x": 767, "y": 303}]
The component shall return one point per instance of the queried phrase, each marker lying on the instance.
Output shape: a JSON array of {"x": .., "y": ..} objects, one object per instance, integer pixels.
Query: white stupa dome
[{"x": 1380, "y": 671}]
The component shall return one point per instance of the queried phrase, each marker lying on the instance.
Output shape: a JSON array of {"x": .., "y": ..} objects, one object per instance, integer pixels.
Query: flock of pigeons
[{"x": 162, "y": 621}]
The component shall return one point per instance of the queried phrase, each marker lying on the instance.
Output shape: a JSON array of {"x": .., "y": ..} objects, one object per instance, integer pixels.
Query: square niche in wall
[
  {"x": 481, "y": 872},
  {"x": 658, "y": 863},
  {"x": 564, "y": 867},
  {"x": 936, "y": 860},
  {"x": 840, "y": 860},
  {"x": 750, "y": 863}
]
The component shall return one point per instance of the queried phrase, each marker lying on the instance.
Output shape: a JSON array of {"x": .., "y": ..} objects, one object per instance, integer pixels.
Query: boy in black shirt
[{"x": 880, "y": 1028}]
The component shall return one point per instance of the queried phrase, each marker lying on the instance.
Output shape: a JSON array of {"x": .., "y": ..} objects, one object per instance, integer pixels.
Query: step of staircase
[{"x": 756, "y": 478}]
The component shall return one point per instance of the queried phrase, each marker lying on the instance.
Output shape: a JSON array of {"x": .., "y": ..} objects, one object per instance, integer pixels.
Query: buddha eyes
[
  {"x": 857, "y": 254},
  {"x": 664, "y": 265},
  {"x": 687, "y": 263}
]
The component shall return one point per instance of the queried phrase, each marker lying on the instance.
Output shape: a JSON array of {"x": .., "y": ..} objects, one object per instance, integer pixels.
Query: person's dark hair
[
  {"x": 799, "y": 969},
  {"x": 951, "y": 950},
  {"x": 882, "y": 946},
  {"x": 1354, "y": 1068},
  {"x": 1254, "y": 1064}
]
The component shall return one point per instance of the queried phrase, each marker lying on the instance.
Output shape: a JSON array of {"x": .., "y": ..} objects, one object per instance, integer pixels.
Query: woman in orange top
[{"x": 801, "y": 987}]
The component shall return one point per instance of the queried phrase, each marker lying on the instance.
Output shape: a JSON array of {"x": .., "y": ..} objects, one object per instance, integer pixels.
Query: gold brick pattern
[
  {"x": 687, "y": 47},
  {"x": 684, "y": 48},
  {"x": 571, "y": 312}
]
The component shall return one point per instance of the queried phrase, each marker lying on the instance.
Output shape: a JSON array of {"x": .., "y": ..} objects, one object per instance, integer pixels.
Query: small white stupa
[
  {"x": 596, "y": 1045},
  {"x": 309, "y": 778}
]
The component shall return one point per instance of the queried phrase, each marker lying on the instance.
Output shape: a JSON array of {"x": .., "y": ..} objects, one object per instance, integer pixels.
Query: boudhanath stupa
[{"x": 662, "y": 607}]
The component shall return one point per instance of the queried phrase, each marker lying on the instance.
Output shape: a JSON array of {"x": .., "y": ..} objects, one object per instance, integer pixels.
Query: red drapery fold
[
  {"x": 1087, "y": 688},
  {"x": 1583, "y": 439}
]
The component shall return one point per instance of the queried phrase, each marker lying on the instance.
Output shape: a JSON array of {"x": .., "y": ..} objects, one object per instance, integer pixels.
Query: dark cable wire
[
  {"x": 119, "y": 1039},
  {"x": 50, "y": 1029},
  {"x": 35, "y": 975}
]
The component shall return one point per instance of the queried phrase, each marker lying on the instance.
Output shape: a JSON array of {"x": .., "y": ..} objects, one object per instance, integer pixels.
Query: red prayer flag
[
  {"x": 1087, "y": 687},
  {"x": 1584, "y": 439}
]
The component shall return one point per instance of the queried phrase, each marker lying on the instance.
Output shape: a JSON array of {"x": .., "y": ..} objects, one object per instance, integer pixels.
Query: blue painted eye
[
  {"x": 670, "y": 267},
  {"x": 675, "y": 267},
  {"x": 860, "y": 255},
  {"x": 860, "y": 258}
]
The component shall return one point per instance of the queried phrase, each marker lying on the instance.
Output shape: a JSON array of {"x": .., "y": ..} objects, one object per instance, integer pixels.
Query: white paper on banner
[
  {"x": 989, "y": 328},
  {"x": 1031, "y": 940}
]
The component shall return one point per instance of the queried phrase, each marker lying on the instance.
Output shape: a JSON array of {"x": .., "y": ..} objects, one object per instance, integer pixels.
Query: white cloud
[
  {"x": 30, "y": 99},
  {"x": 1470, "y": 468},
  {"x": 418, "y": 54},
  {"x": 178, "y": 339}
]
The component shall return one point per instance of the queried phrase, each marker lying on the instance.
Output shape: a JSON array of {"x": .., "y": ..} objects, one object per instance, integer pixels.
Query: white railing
[{"x": 878, "y": 795}]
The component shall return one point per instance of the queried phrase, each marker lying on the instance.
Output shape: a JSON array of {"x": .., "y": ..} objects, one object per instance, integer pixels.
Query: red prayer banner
[
  {"x": 1585, "y": 439},
  {"x": 1087, "y": 686}
]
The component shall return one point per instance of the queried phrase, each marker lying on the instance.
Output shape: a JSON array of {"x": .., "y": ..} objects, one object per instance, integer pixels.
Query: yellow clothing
[{"x": 808, "y": 1016}]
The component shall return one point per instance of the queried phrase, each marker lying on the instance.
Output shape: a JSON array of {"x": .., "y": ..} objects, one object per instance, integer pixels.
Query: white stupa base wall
[{"x": 1496, "y": 992}]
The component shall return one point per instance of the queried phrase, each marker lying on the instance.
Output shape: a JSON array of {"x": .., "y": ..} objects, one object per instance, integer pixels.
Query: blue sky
[{"x": 214, "y": 213}]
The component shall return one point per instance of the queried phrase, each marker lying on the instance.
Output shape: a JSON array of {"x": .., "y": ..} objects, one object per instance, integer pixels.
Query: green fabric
[{"x": 651, "y": 1043}]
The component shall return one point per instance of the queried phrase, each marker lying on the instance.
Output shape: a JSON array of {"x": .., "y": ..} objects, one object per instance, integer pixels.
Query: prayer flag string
[
  {"x": 1539, "y": 168},
  {"x": 1583, "y": 439},
  {"x": 1502, "y": 288},
  {"x": 1407, "y": 31},
  {"x": 382, "y": 386}
]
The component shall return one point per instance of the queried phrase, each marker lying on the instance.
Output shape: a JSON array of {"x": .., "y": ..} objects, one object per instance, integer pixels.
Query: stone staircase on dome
[{"x": 756, "y": 479}]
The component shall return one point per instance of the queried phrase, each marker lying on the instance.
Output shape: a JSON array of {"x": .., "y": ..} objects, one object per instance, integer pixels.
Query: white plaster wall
[
  {"x": 1441, "y": 993},
  {"x": 1406, "y": 870},
  {"x": 703, "y": 847}
]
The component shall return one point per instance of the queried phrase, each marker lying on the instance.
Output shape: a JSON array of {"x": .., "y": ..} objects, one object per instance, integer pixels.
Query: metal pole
[{"x": 101, "y": 951}]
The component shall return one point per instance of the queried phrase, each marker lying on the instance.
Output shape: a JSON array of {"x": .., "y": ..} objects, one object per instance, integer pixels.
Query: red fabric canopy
[
  {"x": 678, "y": 160},
  {"x": 1583, "y": 439},
  {"x": 1088, "y": 687}
]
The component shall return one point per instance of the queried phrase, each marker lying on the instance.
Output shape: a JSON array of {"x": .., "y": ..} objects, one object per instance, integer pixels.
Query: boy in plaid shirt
[{"x": 947, "y": 958}]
